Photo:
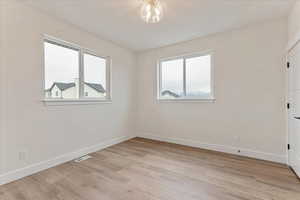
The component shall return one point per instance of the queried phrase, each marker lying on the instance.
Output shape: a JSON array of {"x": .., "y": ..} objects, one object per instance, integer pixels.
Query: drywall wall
[
  {"x": 249, "y": 112},
  {"x": 293, "y": 23},
  {"x": 1, "y": 85},
  {"x": 46, "y": 132}
]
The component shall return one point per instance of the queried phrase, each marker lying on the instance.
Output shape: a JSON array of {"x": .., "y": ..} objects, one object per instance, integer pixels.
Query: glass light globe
[{"x": 151, "y": 11}]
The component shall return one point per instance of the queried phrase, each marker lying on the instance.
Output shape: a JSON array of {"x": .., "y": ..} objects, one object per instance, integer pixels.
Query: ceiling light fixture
[{"x": 151, "y": 11}]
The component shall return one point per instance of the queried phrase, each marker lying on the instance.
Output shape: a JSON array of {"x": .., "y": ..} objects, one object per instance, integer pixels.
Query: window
[
  {"x": 61, "y": 70},
  {"x": 73, "y": 73},
  {"x": 94, "y": 76},
  {"x": 172, "y": 78},
  {"x": 186, "y": 78}
]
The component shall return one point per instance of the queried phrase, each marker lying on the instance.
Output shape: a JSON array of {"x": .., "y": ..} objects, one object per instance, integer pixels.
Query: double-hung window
[
  {"x": 186, "y": 78},
  {"x": 73, "y": 73}
]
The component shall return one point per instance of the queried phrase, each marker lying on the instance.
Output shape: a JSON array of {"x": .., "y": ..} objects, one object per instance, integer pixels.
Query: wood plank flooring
[{"x": 142, "y": 169}]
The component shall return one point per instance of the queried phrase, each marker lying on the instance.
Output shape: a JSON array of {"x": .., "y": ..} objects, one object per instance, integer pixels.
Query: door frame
[{"x": 291, "y": 46}]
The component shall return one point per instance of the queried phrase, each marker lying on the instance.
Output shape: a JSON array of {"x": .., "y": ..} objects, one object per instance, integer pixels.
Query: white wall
[
  {"x": 1, "y": 86},
  {"x": 294, "y": 22},
  {"x": 29, "y": 123},
  {"x": 249, "y": 112}
]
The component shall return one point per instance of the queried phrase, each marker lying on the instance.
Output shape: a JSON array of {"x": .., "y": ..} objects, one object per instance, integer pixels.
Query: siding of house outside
[
  {"x": 91, "y": 92},
  {"x": 73, "y": 92}
]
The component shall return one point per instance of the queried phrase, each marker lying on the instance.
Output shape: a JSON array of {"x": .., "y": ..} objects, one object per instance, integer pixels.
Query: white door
[{"x": 294, "y": 110}]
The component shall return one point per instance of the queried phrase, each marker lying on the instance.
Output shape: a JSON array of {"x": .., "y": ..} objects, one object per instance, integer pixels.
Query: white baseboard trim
[
  {"x": 34, "y": 168},
  {"x": 220, "y": 148},
  {"x": 294, "y": 161}
]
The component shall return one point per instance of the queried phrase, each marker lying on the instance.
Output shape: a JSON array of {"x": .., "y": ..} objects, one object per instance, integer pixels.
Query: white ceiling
[{"x": 119, "y": 20}]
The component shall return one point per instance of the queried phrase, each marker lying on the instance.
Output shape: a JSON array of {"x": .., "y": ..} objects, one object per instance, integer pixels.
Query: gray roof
[
  {"x": 96, "y": 86},
  {"x": 62, "y": 86},
  {"x": 168, "y": 92}
]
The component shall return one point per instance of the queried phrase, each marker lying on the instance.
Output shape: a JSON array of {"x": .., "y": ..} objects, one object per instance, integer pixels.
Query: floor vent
[{"x": 83, "y": 158}]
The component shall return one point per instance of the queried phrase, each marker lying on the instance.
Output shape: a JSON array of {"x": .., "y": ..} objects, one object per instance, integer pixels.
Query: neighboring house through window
[
  {"x": 186, "y": 78},
  {"x": 72, "y": 72}
]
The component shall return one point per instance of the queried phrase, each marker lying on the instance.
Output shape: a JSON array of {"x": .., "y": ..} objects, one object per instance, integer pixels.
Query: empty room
[{"x": 150, "y": 100}]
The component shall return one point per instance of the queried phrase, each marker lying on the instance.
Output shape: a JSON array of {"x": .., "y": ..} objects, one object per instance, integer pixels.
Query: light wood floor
[{"x": 141, "y": 169}]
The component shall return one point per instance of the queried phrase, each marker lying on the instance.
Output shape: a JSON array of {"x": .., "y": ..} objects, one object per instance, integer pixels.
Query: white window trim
[
  {"x": 211, "y": 99},
  {"x": 82, "y": 99},
  {"x": 58, "y": 102}
]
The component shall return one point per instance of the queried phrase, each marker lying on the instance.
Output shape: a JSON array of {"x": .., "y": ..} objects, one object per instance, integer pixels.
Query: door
[{"x": 294, "y": 108}]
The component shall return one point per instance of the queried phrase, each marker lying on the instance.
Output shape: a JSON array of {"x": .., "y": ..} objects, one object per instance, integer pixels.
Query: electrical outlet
[{"x": 23, "y": 154}]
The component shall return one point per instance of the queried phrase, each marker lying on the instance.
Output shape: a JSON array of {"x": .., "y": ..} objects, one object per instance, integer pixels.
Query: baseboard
[
  {"x": 294, "y": 171},
  {"x": 220, "y": 148},
  {"x": 32, "y": 169},
  {"x": 295, "y": 164}
]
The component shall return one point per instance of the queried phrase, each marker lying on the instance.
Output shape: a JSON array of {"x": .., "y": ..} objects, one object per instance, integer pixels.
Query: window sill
[
  {"x": 60, "y": 102},
  {"x": 210, "y": 100}
]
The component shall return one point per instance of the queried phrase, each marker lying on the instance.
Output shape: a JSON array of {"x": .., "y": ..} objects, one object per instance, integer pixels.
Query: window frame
[
  {"x": 81, "y": 51},
  {"x": 186, "y": 98},
  {"x": 107, "y": 77}
]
